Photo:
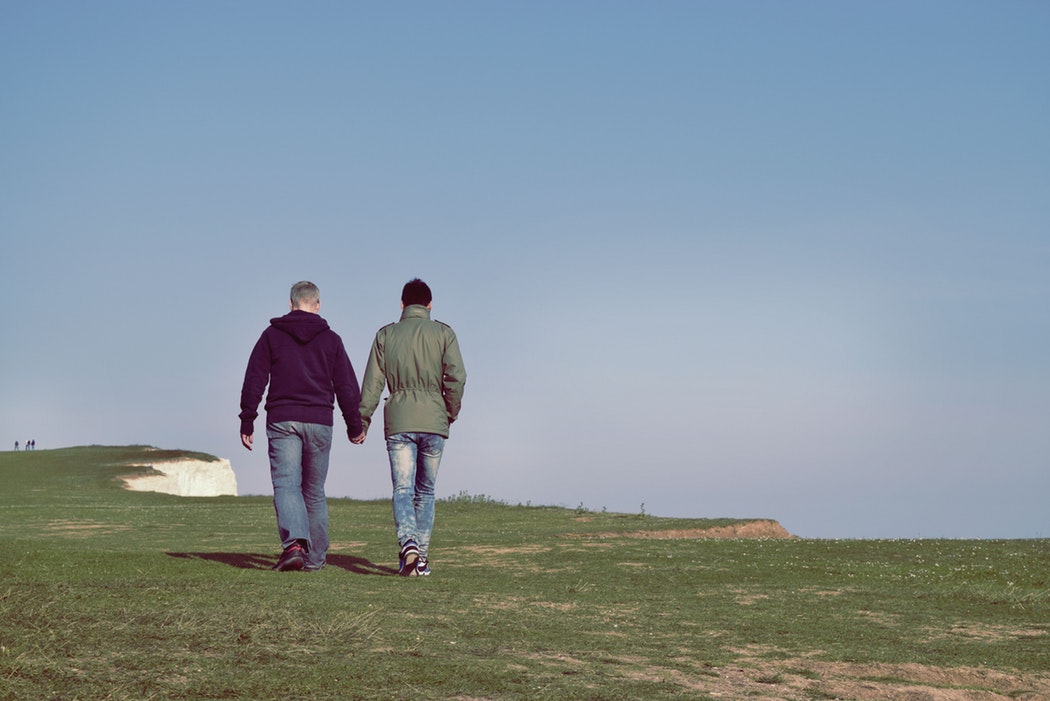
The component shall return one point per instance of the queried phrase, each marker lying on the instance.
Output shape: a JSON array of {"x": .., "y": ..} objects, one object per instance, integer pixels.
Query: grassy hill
[{"x": 107, "y": 593}]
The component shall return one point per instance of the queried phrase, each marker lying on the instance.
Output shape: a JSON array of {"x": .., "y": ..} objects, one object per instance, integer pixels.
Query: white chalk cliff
[{"x": 187, "y": 478}]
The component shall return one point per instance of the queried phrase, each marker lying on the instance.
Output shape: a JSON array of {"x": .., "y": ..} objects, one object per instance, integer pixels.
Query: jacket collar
[{"x": 415, "y": 311}]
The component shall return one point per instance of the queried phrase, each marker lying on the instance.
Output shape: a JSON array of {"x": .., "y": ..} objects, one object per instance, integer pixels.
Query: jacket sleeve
[
  {"x": 373, "y": 383},
  {"x": 453, "y": 377},
  {"x": 256, "y": 377},
  {"x": 347, "y": 391}
]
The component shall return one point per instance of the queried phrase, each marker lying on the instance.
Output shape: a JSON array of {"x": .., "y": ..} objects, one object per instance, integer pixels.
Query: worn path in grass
[{"x": 111, "y": 594}]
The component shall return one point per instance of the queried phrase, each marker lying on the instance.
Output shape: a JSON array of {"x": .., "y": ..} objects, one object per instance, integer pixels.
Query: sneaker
[
  {"x": 291, "y": 559},
  {"x": 408, "y": 558},
  {"x": 422, "y": 568}
]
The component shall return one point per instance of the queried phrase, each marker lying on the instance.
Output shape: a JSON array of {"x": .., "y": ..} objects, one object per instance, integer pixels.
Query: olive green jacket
[{"x": 419, "y": 361}]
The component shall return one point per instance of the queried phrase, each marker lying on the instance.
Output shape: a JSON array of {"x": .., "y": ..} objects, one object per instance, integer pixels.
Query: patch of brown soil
[
  {"x": 804, "y": 679},
  {"x": 80, "y": 528},
  {"x": 352, "y": 546},
  {"x": 745, "y": 598},
  {"x": 516, "y": 603},
  {"x": 986, "y": 633},
  {"x": 749, "y": 529},
  {"x": 488, "y": 550},
  {"x": 907, "y": 682}
]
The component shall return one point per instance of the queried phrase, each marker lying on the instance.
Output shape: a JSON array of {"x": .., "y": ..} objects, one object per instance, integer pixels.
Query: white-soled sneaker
[{"x": 422, "y": 568}]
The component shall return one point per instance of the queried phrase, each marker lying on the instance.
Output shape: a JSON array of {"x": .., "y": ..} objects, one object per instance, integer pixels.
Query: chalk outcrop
[{"x": 187, "y": 478}]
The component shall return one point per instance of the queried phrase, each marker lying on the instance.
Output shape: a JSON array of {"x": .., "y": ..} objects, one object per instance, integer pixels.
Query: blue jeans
[
  {"x": 298, "y": 469},
  {"x": 414, "y": 460}
]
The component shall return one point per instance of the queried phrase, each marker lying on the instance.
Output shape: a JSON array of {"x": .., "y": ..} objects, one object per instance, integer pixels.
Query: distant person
[
  {"x": 419, "y": 361},
  {"x": 16, "y": 445},
  {"x": 308, "y": 370}
]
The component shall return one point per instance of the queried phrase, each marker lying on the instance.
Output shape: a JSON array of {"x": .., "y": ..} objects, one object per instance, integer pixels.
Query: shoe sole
[
  {"x": 409, "y": 556},
  {"x": 292, "y": 566},
  {"x": 409, "y": 570}
]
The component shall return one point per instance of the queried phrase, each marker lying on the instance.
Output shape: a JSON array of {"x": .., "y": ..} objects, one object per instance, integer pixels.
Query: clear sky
[{"x": 705, "y": 259}]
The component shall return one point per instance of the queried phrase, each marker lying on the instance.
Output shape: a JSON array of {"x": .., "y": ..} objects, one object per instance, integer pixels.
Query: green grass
[{"x": 113, "y": 594}]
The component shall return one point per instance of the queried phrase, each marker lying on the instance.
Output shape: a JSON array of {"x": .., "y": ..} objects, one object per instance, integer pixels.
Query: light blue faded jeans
[
  {"x": 414, "y": 460},
  {"x": 298, "y": 469}
]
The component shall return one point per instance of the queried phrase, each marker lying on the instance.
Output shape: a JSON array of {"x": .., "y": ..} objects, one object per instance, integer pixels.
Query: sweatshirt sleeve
[
  {"x": 454, "y": 377},
  {"x": 256, "y": 377},
  {"x": 347, "y": 392},
  {"x": 373, "y": 383}
]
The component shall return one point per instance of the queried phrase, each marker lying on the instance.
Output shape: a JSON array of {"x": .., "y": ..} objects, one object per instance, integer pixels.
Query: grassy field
[{"x": 112, "y": 594}]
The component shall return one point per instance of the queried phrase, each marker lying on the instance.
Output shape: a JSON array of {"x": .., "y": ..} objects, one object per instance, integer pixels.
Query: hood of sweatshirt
[{"x": 302, "y": 326}]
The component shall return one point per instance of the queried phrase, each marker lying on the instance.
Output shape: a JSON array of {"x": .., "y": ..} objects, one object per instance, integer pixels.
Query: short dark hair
[{"x": 415, "y": 291}]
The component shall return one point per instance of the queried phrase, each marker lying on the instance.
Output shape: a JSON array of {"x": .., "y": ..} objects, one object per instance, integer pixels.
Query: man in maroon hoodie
[{"x": 307, "y": 368}]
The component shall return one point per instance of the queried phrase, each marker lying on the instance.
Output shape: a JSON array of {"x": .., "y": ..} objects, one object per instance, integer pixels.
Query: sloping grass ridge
[{"x": 107, "y": 593}]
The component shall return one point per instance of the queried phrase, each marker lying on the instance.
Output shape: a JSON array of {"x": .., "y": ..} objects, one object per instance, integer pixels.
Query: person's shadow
[{"x": 254, "y": 561}]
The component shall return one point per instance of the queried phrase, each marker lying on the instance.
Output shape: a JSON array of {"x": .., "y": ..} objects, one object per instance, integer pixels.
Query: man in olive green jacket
[{"x": 419, "y": 361}]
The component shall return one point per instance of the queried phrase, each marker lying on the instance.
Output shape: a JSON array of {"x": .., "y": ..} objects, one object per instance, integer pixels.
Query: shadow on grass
[{"x": 253, "y": 561}]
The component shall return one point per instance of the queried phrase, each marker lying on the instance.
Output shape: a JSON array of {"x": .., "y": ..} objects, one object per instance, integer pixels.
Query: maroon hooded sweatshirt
[{"x": 308, "y": 370}]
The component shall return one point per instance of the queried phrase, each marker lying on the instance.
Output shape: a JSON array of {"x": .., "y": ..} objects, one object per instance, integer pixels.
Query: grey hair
[{"x": 304, "y": 292}]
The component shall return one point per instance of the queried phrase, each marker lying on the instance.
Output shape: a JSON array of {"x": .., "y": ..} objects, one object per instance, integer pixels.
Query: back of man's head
[
  {"x": 304, "y": 294},
  {"x": 416, "y": 292}
]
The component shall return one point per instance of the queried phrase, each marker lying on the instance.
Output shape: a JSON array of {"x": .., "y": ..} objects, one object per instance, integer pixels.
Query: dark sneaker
[
  {"x": 422, "y": 568},
  {"x": 408, "y": 558},
  {"x": 291, "y": 559}
]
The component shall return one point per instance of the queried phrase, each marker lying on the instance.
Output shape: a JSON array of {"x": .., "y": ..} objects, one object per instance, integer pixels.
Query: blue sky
[{"x": 744, "y": 259}]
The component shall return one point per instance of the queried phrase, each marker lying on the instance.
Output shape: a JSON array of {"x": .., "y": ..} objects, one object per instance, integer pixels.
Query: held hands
[{"x": 246, "y": 440}]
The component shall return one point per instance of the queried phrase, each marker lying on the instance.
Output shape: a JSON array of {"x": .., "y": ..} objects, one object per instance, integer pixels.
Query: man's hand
[
  {"x": 358, "y": 440},
  {"x": 246, "y": 441}
]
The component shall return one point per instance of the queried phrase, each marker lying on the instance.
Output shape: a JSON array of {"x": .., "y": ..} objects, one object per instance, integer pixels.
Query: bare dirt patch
[
  {"x": 908, "y": 682},
  {"x": 751, "y": 529},
  {"x": 745, "y": 598},
  {"x": 80, "y": 528},
  {"x": 517, "y": 603},
  {"x": 986, "y": 632},
  {"x": 487, "y": 550},
  {"x": 351, "y": 546},
  {"x": 804, "y": 679}
]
